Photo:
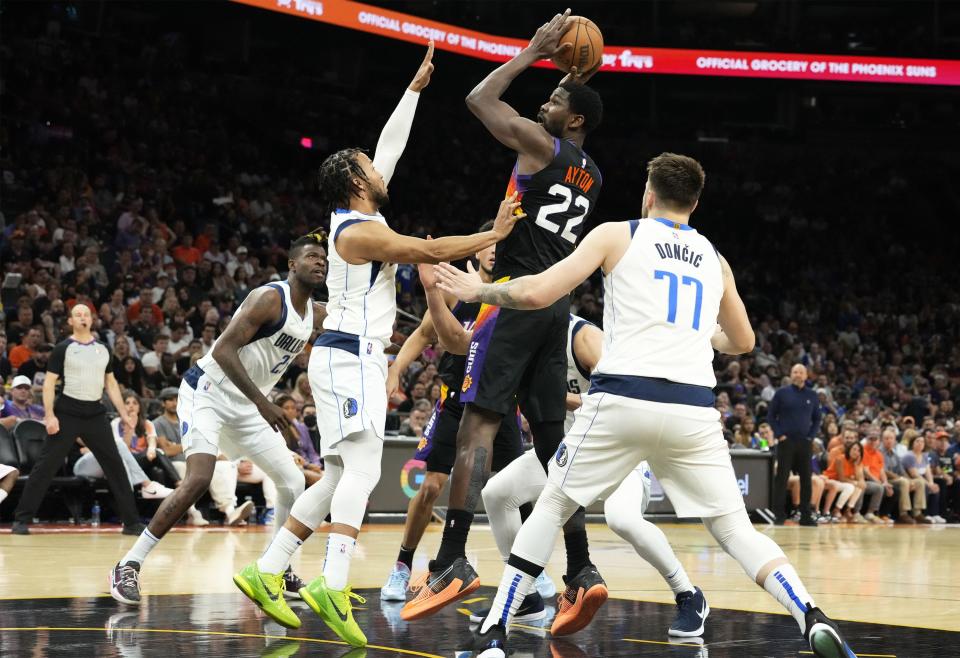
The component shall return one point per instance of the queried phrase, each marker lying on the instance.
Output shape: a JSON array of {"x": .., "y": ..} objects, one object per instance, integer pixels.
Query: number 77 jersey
[
  {"x": 558, "y": 199},
  {"x": 661, "y": 304}
]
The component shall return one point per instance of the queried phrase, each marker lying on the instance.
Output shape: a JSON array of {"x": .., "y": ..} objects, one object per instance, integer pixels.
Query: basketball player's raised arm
[
  {"x": 364, "y": 242},
  {"x": 451, "y": 333},
  {"x": 261, "y": 308},
  {"x": 393, "y": 137},
  {"x": 603, "y": 247},
  {"x": 736, "y": 335},
  {"x": 505, "y": 123}
]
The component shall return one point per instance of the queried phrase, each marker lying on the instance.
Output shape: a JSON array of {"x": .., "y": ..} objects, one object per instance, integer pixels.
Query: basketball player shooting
[
  {"x": 520, "y": 356},
  {"x": 670, "y": 300}
]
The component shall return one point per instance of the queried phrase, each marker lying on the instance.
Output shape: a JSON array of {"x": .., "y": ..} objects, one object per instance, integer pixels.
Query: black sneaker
[
  {"x": 125, "y": 583},
  {"x": 808, "y": 521},
  {"x": 294, "y": 584},
  {"x": 20, "y": 528},
  {"x": 824, "y": 637},
  {"x": 492, "y": 644},
  {"x": 692, "y": 611},
  {"x": 440, "y": 587},
  {"x": 582, "y": 597},
  {"x": 532, "y": 609},
  {"x": 135, "y": 530}
]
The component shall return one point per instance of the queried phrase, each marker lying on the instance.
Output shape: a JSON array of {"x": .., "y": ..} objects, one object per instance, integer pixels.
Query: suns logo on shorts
[
  {"x": 349, "y": 408},
  {"x": 562, "y": 455},
  {"x": 467, "y": 383}
]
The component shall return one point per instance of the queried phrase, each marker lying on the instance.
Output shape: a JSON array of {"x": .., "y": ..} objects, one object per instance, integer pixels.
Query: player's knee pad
[
  {"x": 557, "y": 504},
  {"x": 737, "y": 536}
]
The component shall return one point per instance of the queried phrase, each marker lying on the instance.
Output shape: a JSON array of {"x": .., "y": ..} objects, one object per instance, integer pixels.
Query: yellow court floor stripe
[
  {"x": 860, "y": 655},
  {"x": 479, "y": 598},
  {"x": 407, "y": 652},
  {"x": 670, "y": 644}
]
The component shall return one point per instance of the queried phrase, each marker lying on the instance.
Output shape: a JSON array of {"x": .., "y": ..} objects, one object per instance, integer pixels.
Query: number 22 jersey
[{"x": 558, "y": 199}]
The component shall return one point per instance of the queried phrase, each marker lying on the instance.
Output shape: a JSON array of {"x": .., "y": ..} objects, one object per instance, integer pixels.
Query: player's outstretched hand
[
  {"x": 393, "y": 382},
  {"x": 274, "y": 416},
  {"x": 546, "y": 42},
  {"x": 422, "y": 78},
  {"x": 427, "y": 278},
  {"x": 464, "y": 286},
  {"x": 508, "y": 215}
]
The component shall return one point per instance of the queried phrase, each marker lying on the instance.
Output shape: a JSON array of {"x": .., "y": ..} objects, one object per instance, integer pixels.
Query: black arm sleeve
[{"x": 57, "y": 356}]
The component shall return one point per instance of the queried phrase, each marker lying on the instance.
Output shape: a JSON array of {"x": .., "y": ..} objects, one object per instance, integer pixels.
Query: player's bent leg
[
  {"x": 520, "y": 482},
  {"x": 419, "y": 511},
  {"x": 621, "y": 512},
  {"x": 125, "y": 577},
  {"x": 764, "y": 561},
  {"x": 531, "y": 551},
  {"x": 329, "y": 595}
]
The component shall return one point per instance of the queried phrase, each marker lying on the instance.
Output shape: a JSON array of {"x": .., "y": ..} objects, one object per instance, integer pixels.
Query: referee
[{"x": 85, "y": 366}]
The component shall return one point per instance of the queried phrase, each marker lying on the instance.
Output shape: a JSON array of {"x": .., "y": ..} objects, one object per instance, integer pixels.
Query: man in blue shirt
[
  {"x": 794, "y": 414},
  {"x": 20, "y": 405}
]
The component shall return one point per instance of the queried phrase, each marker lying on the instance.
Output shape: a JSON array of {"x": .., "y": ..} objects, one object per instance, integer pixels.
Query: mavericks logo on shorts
[
  {"x": 349, "y": 408},
  {"x": 183, "y": 428},
  {"x": 562, "y": 455},
  {"x": 467, "y": 383}
]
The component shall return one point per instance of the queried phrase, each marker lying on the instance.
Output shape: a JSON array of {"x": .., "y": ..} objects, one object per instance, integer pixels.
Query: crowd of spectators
[{"x": 130, "y": 183}]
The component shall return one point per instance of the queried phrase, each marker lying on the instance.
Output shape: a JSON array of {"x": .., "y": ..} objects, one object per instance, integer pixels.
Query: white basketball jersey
[
  {"x": 578, "y": 379},
  {"x": 661, "y": 304},
  {"x": 272, "y": 348},
  {"x": 363, "y": 298}
]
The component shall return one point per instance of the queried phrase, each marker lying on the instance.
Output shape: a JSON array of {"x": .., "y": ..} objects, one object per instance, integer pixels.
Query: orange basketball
[{"x": 587, "y": 43}]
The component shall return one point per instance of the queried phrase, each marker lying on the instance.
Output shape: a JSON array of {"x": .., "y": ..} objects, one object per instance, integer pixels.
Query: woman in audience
[{"x": 846, "y": 469}]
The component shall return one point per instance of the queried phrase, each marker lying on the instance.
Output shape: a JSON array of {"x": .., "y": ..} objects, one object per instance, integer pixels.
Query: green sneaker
[
  {"x": 266, "y": 590},
  {"x": 336, "y": 610}
]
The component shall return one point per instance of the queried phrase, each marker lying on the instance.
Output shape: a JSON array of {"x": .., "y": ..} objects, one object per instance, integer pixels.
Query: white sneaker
[
  {"x": 397, "y": 582},
  {"x": 238, "y": 515},
  {"x": 545, "y": 586},
  {"x": 939, "y": 519},
  {"x": 154, "y": 491},
  {"x": 194, "y": 517}
]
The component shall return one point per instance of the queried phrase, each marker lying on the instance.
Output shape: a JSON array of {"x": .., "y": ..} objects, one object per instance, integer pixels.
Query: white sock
[
  {"x": 678, "y": 581},
  {"x": 514, "y": 586},
  {"x": 141, "y": 549},
  {"x": 277, "y": 556},
  {"x": 3, "y": 495},
  {"x": 336, "y": 565},
  {"x": 784, "y": 585}
]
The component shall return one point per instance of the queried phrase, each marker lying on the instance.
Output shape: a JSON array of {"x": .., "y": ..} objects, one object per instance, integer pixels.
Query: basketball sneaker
[
  {"x": 336, "y": 610},
  {"x": 532, "y": 609},
  {"x": 692, "y": 611},
  {"x": 581, "y": 599},
  {"x": 492, "y": 644},
  {"x": 395, "y": 588},
  {"x": 125, "y": 583},
  {"x": 266, "y": 590},
  {"x": 824, "y": 637},
  {"x": 545, "y": 585},
  {"x": 292, "y": 584},
  {"x": 440, "y": 587}
]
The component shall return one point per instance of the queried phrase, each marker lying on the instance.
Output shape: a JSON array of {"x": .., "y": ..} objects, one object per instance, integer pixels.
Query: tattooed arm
[{"x": 603, "y": 247}]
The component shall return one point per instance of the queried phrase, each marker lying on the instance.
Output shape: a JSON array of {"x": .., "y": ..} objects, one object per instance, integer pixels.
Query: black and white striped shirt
[{"x": 81, "y": 368}]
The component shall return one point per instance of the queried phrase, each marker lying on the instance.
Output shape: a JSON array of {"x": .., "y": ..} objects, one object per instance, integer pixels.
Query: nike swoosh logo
[
  {"x": 702, "y": 613},
  {"x": 267, "y": 590},
  {"x": 343, "y": 616}
]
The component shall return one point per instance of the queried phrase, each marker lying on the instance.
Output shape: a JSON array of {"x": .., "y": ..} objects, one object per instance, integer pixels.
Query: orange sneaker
[
  {"x": 584, "y": 595},
  {"x": 439, "y": 588}
]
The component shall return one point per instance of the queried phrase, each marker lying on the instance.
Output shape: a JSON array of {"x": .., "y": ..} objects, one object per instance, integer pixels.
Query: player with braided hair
[{"x": 348, "y": 369}]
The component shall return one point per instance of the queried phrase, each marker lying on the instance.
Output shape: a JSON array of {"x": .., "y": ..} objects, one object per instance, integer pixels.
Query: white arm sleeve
[{"x": 393, "y": 139}]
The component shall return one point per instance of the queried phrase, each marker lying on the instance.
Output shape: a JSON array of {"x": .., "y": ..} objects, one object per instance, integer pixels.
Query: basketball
[{"x": 587, "y": 43}]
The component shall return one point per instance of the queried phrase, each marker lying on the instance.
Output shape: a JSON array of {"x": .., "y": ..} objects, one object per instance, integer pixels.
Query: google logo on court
[{"x": 411, "y": 476}]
